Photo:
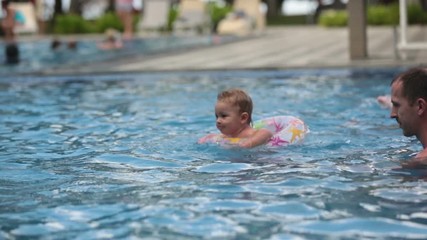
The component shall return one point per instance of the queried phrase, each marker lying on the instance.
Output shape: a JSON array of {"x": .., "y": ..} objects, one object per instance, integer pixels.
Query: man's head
[
  {"x": 12, "y": 53},
  {"x": 55, "y": 44},
  {"x": 414, "y": 83},
  {"x": 409, "y": 99}
]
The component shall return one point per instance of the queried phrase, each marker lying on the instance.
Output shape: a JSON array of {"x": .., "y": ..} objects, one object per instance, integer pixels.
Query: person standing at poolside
[
  {"x": 409, "y": 104},
  {"x": 8, "y": 22},
  {"x": 124, "y": 9}
]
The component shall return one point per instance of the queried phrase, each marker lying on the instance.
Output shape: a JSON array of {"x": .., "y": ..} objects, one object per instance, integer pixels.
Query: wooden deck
[{"x": 276, "y": 48}]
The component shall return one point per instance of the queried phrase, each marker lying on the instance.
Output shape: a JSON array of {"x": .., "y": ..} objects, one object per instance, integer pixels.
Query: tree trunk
[
  {"x": 76, "y": 7},
  {"x": 337, "y": 4},
  {"x": 111, "y": 6},
  {"x": 274, "y": 7},
  {"x": 423, "y": 4},
  {"x": 318, "y": 10},
  {"x": 279, "y": 7},
  {"x": 58, "y": 8}
]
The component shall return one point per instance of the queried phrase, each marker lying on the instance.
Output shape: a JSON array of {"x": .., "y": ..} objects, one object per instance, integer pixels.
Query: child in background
[
  {"x": 57, "y": 45},
  {"x": 112, "y": 41},
  {"x": 12, "y": 53},
  {"x": 233, "y": 111}
]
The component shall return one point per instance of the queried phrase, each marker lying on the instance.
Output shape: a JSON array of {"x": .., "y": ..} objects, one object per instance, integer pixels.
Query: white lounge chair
[
  {"x": 253, "y": 9},
  {"x": 247, "y": 17},
  {"x": 154, "y": 16},
  {"x": 193, "y": 17},
  {"x": 29, "y": 24}
]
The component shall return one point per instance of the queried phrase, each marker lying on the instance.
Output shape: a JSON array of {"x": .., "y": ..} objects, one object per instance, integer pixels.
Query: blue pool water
[
  {"x": 115, "y": 157},
  {"x": 37, "y": 57}
]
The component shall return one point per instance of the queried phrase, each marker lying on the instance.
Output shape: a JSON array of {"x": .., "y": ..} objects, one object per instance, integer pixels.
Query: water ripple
[
  {"x": 358, "y": 228},
  {"x": 115, "y": 156}
]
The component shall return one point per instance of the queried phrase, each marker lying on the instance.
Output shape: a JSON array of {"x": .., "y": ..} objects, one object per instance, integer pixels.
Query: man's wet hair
[{"x": 414, "y": 83}]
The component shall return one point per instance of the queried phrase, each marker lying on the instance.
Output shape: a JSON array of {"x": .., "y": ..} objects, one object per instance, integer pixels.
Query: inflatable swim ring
[{"x": 286, "y": 130}]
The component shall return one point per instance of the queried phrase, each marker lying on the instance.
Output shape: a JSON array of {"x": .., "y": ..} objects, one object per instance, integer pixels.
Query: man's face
[{"x": 405, "y": 114}]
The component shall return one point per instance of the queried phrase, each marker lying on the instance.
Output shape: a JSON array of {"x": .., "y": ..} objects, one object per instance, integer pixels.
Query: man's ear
[
  {"x": 422, "y": 106},
  {"x": 244, "y": 117}
]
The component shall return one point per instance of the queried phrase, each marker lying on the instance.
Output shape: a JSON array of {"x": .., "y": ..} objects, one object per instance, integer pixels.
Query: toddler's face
[{"x": 228, "y": 119}]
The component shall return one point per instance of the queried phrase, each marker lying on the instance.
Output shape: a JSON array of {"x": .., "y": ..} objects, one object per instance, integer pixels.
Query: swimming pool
[
  {"x": 115, "y": 157},
  {"x": 37, "y": 57}
]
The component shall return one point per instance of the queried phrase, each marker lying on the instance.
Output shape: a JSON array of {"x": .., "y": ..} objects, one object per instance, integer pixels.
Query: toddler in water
[
  {"x": 112, "y": 41},
  {"x": 233, "y": 111}
]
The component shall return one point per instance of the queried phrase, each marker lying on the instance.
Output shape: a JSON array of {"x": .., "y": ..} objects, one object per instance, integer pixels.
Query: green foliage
[
  {"x": 333, "y": 18},
  {"x": 71, "y": 24},
  {"x": 288, "y": 20},
  {"x": 74, "y": 24},
  {"x": 173, "y": 14},
  {"x": 108, "y": 20},
  {"x": 376, "y": 15},
  {"x": 416, "y": 14},
  {"x": 135, "y": 21},
  {"x": 218, "y": 12},
  {"x": 383, "y": 14}
]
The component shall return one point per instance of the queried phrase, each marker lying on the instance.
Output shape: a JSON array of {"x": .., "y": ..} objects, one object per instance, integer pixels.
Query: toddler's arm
[
  {"x": 207, "y": 138},
  {"x": 261, "y": 136}
]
